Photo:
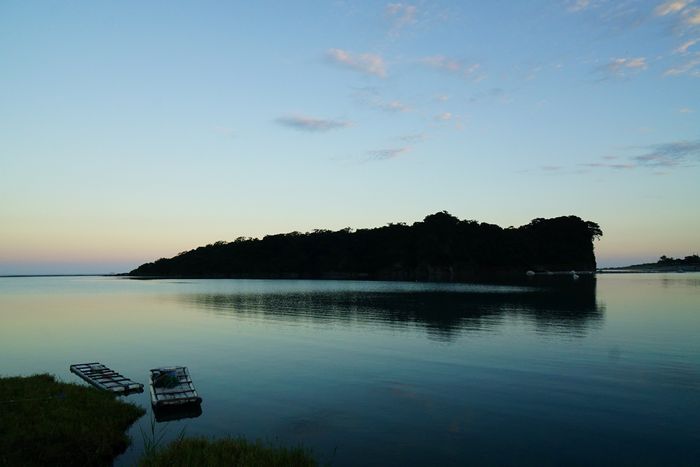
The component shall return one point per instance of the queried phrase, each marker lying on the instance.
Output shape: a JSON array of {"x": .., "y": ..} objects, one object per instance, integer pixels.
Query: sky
[{"x": 131, "y": 131}]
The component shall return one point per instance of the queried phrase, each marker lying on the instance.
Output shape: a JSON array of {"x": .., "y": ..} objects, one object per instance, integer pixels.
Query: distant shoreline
[
  {"x": 59, "y": 275},
  {"x": 612, "y": 270},
  {"x": 670, "y": 270}
]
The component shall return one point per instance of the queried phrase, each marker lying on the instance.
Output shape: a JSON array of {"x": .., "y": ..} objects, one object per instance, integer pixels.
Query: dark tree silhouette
[
  {"x": 690, "y": 260},
  {"x": 441, "y": 247}
]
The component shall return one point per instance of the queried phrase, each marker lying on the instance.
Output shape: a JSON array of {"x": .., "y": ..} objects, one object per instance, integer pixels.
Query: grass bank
[
  {"x": 46, "y": 422},
  {"x": 186, "y": 452}
]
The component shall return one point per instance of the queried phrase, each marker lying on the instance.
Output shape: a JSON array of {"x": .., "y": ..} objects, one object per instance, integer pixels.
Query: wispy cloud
[
  {"x": 391, "y": 153},
  {"x": 689, "y": 67},
  {"x": 615, "y": 16},
  {"x": 470, "y": 71},
  {"x": 579, "y": 5},
  {"x": 610, "y": 165},
  {"x": 393, "y": 106},
  {"x": 655, "y": 156},
  {"x": 692, "y": 16},
  {"x": 670, "y": 154},
  {"x": 686, "y": 16},
  {"x": 443, "y": 63},
  {"x": 685, "y": 110},
  {"x": 313, "y": 124},
  {"x": 683, "y": 48},
  {"x": 367, "y": 63},
  {"x": 414, "y": 137},
  {"x": 623, "y": 67},
  {"x": 498, "y": 95},
  {"x": 444, "y": 117},
  {"x": 371, "y": 96},
  {"x": 670, "y": 7},
  {"x": 401, "y": 15},
  {"x": 689, "y": 14}
]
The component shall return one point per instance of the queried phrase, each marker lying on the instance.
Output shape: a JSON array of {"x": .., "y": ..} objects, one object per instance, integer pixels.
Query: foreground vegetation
[
  {"x": 46, "y": 422},
  {"x": 441, "y": 247},
  {"x": 225, "y": 452}
]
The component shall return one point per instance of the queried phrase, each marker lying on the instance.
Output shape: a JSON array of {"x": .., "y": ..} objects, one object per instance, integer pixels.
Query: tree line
[
  {"x": 690, "y": 260},
  {"x": 441, "y": 247}
]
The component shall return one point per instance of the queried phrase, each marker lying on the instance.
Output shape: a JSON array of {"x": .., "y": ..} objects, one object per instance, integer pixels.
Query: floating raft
[
  {"x": 105, "y": 378},
  {"x": 171, "y": 387}
]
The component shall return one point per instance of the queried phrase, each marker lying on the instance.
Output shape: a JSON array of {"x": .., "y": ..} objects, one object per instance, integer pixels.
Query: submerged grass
[
  {"x": 46, "y": 422},
  {"x": 153, "y": 438},
  {"x": 226, "y": 452}
]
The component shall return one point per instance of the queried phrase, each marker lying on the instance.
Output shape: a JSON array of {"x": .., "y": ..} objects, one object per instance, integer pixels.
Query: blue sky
[{"x": 131, "y": 131}]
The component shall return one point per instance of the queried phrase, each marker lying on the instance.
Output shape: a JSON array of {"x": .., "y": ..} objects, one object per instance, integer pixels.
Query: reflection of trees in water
[
  {"x": 682, "y": 282},
  {"x": 560, "y": 306}
]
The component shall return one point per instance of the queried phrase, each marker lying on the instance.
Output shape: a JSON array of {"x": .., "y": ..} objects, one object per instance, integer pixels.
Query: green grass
[
  {"x": 226, "y": 452},
  {"x": 46, "y": 422}
]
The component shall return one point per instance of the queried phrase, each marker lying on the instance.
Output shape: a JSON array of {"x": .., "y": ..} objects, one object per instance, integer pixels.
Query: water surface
[{"x": 584, "y": 372}]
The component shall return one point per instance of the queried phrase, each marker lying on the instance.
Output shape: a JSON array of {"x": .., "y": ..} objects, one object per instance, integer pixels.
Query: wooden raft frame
[
  {"x": 181, "y": 394},
  {"x": 105, "y": 378}
]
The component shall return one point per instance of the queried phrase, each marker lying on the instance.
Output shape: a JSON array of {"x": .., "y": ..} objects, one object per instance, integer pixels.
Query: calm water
[{"x": 584, "y": 372}]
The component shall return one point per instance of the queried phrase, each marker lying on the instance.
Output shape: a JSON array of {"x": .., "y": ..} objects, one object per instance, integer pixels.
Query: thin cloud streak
[
  {"x": 498, "y": 95},
  {"x": 667, "y": 8},
  {"x": 449, "y": 119},
  {"x": 623, "y": 67},
  {"x": 371, "y": 97},
  {"x": 393, "y": 106},
  {"x": 470, "y": 71},
  {"x": 444, "y": 117},
  {"x": 414, "y": 137},
  {"x": 683, "y": 48},
  {"x": 311, "y": 124},
  {"x": 579, "y": 5},
  {"x": 619, "y": 15},
  {"x": 391, "y": 153},
  {"x": 670, "y": 154},
  {"x": 368, "y": 63},
  {"x": 689, "y": 15},
  {"x": 692, "y": 17},
  {"x": 628, "y": 166},
  {"x": 690, "y": 67},
  {"x": 401, "y": 14},
  {"x": 665, "y": 155}
]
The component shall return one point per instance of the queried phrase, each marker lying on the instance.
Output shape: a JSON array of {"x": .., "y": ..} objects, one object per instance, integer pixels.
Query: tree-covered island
[
  {"x": 439, "y": 248},
  {"x": 666, "y": 264}
]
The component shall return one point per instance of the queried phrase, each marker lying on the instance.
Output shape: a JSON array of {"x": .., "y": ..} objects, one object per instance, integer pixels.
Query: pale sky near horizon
[{"x": 131, "y": 131}]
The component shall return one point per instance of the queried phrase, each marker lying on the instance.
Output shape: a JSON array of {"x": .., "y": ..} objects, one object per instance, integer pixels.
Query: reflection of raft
[
  {"x": 172, "y": 387},
  {"x": 105, "y": 378},
  {"x": 169, "y": 413}
]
